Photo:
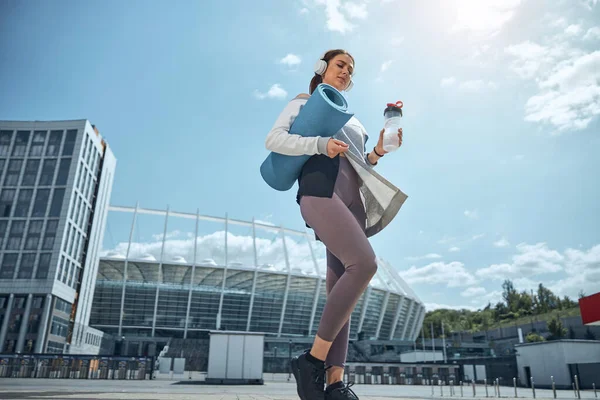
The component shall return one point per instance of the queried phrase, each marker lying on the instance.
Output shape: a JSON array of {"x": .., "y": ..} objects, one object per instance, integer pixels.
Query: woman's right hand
[{"x": 335, "y": 147}]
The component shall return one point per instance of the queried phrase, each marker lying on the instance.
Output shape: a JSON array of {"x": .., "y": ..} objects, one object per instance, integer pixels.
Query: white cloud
[
  {"x": 484, "y": 18},
  {"x": 240, "y": 249},
  {"x": 290, "y": 60},
  {"x": 583, "y": 272},
  {"x": 473, "y": 86},
  {"x": 519, "y": 157},
  {"x": 169, "y": 235},
  {"x": 567, "y": 78},
  {"x": 356, "y": 10},
  {"x": 472, "y": 214},
  {"x": 592, "y": 33},
  {"x": 570, "y": 96},
  {"x": 473, "y": 291},
  {"x": 446, "y": 239},
  {"x": 386, "y": 65},
  {"x": 396, "y": 41},
  {"x": 477, "y": 85},
  {"x": 590, "y": 4},
  {"x": 532, "y": 260},
  {"x": 451, "y": 274},
  {"x": 426, "y": 256},
  {"x": 304, "y": 10},
  {"x": 573, "y": 30},
  {"x": 501, "y": 243},
  {"x": 275, "y": 92},
  {"x": 454, "y": 249},
  {"x": 478, "y": 236},
  {"x": 336, "y": 20},
  {"x": 448, "y": 81}
]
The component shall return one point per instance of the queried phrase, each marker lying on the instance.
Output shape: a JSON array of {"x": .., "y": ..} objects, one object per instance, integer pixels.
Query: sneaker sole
[{"x": 295, "y": 371}]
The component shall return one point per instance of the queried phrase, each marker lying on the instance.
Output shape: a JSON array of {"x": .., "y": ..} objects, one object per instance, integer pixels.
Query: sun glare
[{"x": 485, "y": 17}]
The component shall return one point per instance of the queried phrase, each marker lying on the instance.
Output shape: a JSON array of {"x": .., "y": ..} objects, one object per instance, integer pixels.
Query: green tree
[
  {"x": 510, "y": 295},
  {"x": 556, "y": 328},
  {"x": 534, "y": 337}
]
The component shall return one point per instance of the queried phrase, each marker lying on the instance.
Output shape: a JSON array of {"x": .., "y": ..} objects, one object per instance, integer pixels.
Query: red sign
[{"x": 590, "y": 309}]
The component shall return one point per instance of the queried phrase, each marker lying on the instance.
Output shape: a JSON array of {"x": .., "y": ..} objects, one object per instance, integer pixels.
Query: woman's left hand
[{"x": 379, "y": 146}]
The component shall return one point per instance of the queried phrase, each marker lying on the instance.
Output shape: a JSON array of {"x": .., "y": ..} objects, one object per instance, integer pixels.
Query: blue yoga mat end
[{"x": 324, "y": 114}]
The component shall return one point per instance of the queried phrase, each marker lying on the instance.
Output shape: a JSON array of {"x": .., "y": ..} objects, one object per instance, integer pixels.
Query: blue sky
[{"x": 502, "y": 104}]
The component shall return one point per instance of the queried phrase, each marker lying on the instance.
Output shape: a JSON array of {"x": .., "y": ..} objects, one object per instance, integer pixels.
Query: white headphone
[{"x": 321, "y": 66}]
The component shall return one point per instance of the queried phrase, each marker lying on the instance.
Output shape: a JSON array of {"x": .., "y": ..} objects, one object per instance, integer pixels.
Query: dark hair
[{"x": 317, "y": 79}]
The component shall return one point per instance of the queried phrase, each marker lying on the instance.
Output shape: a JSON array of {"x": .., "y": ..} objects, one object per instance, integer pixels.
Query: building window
[
  {"x": 2, "y": 165},
  {"x": 37, "y": 145},
  {"x": 48, "y": 172},
  {"x": 26, "y": 266},
  {"x": 63, "y": 171},
  {"x": 31, "y": 171},
  {"x": 62, "y": 306},
  {"x": 38, "y": 302},
  {"x": 57, "y": 200},
  {"x": 61, "y": 269},
  {"x": 21, "y": 142},
  {"x": 54, "y": 143},
  {"x": 23, "y": 203},
  {"x": 70, "y": 142},
  {"x": 50, "y": 235},
  {"x": 5, "y": 139},
  {"x": 9, "y": 263},
  {"x": 59, "y": 326},
  {"x": 54, "y": 347},
  {"x": 43, "y": 266},
  {"x": 41, "y": 203},
  {"x": 3, "y": 227},
  {"x": 13, "y": 172},
  {"x": 6, "y": 201},
  {"x": 15, "y": 236},
  {"x": 33, "y": 234}
]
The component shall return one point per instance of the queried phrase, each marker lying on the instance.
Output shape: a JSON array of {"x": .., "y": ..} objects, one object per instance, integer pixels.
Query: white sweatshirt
[{"x": 280, "y": 140}]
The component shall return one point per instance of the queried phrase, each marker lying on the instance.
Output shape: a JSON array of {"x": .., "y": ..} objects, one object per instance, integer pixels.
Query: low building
[{"x": 560, "y": 360}]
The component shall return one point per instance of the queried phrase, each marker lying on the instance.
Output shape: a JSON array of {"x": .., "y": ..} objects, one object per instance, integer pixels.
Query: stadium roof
[{"x": 263, "y": 247}]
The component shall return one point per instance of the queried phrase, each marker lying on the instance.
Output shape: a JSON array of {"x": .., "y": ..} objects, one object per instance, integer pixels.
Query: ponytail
[{"x": 314, "y": 82}]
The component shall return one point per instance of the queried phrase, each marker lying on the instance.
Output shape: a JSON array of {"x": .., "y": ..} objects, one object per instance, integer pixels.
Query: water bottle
[{"x": 393, "y": 119}]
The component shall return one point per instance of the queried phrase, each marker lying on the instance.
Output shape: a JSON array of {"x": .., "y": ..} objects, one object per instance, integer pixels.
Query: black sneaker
[
  {"x": 310, "y": 377},
  {"x": 340, "y": 391}
]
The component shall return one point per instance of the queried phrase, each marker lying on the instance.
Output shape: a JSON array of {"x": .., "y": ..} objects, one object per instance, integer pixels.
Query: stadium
[{"x": 179, "y": 275}]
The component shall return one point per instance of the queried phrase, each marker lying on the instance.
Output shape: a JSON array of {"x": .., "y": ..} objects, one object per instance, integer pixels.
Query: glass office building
[
  {"x": 55, "y": 185},
  {"x": 174, "y": 274}
]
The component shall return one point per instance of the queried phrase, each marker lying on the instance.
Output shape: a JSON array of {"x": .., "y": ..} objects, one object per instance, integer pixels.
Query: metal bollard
[
  {"x": 461, "y": 389},
  {"x": 595, "y": 394},
  {"x": 533, "y": 387},
  {"x": 432, "y": 389},
  {"x": 577, "y": 386},
  {"x": 486, "y": 390},
  {"x": 515, "y": 385},
  {"x": 441, "y": 389},
  {"x": 574, "y": 391},
  {"x": 473, "y": 387},
  {"x": 498, "y": 386}
]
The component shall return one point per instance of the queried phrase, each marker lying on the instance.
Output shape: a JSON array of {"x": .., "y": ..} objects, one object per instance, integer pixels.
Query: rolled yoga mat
[{"x": 324, "y": 114}]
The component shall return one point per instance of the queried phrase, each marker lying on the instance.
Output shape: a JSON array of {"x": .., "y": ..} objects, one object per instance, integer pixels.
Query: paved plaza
[{"x": 12, "y": 388}]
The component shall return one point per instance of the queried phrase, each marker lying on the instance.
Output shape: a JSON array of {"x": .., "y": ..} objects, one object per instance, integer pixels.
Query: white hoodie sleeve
[{"x": 280, "y": 140}]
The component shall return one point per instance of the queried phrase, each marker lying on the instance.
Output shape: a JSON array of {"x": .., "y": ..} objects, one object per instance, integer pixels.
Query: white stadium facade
[{"x": 180, "y": 275}]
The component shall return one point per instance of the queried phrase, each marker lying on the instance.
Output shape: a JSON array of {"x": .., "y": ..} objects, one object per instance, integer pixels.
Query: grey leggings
[{"x": 339, "y": 222}]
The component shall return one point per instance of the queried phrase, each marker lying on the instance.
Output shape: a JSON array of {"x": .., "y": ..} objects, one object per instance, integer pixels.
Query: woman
[{"x": 334, "y": 185}]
